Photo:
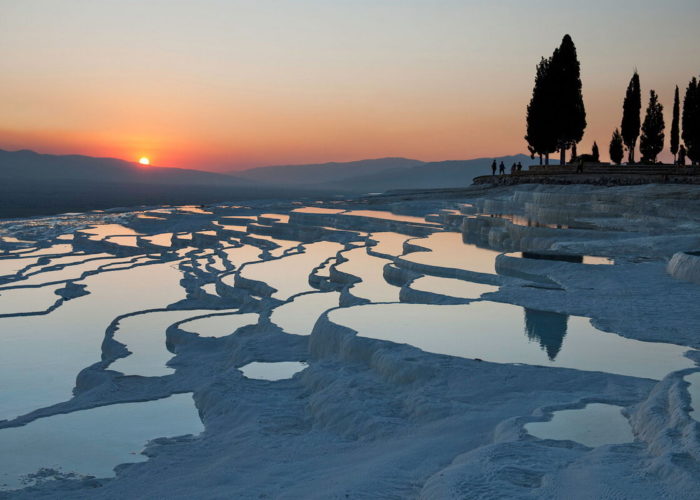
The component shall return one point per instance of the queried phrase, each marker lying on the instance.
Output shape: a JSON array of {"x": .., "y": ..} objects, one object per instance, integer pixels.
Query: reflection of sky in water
[
  {"x": 579, "y": 259},
  {"x": 162, "y": 239},
  {"x": 452, "y": 287},
  {"x": 289, "y": 275},
  {"x": 380, "y": 214},
  {"x": 144, "y": 336},
  {"x": 272, "y": 371},
  {"x": 70, "y": 338},
  {"x": 498, "y": 332},
  {"x": 219, "y": 325},
  {"x": 102, "y": 231},
  {"x": 300, "y": 315},
  {"x": 284, "y": 218},
  {"x": 595, "y": 425},
  {"x": 448, "y": 250},
  {"x": 22, "y": 300},
  {"x": 94, "y": 441},
  {"x": 318, "y": 210},
  {"x": 69, "y": 272},
  {"x": 370, "y": 269},
  {"x": 388, "y": 243}
]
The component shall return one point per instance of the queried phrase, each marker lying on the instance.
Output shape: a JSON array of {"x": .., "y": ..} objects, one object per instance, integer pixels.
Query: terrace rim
[{"x": 597, "y": 174}]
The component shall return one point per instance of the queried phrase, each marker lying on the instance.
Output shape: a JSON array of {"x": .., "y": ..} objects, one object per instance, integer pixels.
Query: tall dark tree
[
  {"x": 617, "y": 150},
  {"x": 631, "y": 110},
  {"x": 595, "y": 152},
  {"x": 691, "y": 121},
  {"x": 541, "y": 134},
  {"x": 570, "y": 112},
  {"x": 652, "y": 141},
  {"x": 675, "y": 132}
]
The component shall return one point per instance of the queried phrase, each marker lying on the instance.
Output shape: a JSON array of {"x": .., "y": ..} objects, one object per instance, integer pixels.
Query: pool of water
[
  {"x": 381, "y": 214},
  {"x": 272, "y": 371},
  {"x": 289, "y": 275},
  {"x": 299, "y": 316},
  {"x": 161, "y": 239},
  {"x": 26, "y": 300},
  {"x": 370, "y": 270},
  {"x": 92, "y": 442},
  {"x": 452, "y": 287},
  {"x": 505, "y": 333},
  {"x": 318, "y": 210},
  {"x": 42, "y": 355},
  {"x": 144, "y": 336},
  {"x": 595, "y": 425},
  {"x": 578, "y": 259},
  {"x": 102, "y": 231},
  {"x": 449, "y": 250},
  {"x": 388, "y": 243},
  {"x": 219, "y": 325},
  {"x": 12, "y": 266},
  {"x": 69, "y": 272}
]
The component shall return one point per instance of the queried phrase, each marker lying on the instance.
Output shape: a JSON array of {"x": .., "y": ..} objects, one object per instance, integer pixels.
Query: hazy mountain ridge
[
  {"x": 381, "y": 174},
  {"x": 318, "y": 173},
  {"x": 29, "y": 165},
  {"x": 440, "y": 174}
]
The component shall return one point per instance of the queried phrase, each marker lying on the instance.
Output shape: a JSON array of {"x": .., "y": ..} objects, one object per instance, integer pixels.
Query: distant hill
[
  {"x": 323, "y": 173},
  {"x": 40, "y": 184},
  {"x": 17, "y": 165},
  {"x": 441, "y": 174},
  {"x": 380, "y": 174}
]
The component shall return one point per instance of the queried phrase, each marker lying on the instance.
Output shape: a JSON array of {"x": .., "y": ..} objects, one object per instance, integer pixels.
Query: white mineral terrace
[{"x": 407, "y": 347}]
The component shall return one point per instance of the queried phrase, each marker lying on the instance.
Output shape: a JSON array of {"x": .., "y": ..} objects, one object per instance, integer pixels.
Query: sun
[{"x": 144, "y": 160}]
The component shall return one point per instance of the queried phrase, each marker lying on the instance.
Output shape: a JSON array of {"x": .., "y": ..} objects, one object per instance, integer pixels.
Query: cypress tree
[
  {"x": 652, "y": 140},
  {"x": 691, "y": 121},
  {"x": 569, "y": 110},
  {"x": 674, "y": 126},
  {"x": 595, "y": 153},
  {"x": 540, "y": 134},
  {"x": 617, "y": 151},
  {"x": 631, "y": 109}
]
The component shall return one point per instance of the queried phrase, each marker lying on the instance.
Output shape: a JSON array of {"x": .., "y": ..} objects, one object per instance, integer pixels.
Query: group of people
[{"x": 515, "y": 167}]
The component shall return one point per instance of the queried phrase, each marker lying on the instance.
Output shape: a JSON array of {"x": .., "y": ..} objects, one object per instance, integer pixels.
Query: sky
[{"x": 229, "y": 84}]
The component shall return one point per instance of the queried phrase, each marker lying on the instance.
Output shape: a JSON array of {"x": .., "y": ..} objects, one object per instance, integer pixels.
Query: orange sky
[{"x": 218, "y": 85}]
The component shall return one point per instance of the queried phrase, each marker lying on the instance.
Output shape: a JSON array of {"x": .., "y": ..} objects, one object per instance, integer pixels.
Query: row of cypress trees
[
  {"x": 556, "y": 115},
  {"x": 651, "y": 142}
]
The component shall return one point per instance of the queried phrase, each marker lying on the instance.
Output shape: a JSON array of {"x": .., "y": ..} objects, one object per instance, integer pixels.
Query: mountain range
[{"x": 32, "y": 183}]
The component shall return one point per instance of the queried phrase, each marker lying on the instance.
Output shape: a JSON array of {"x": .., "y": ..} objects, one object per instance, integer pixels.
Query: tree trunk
[
  {"x": 546, "y": 159},
  {"x": 562, "y": 156},
  {"x": 574, "y": 152},
  {"x": 540, "y": 158},
  {"x": 630, "y": 158}
]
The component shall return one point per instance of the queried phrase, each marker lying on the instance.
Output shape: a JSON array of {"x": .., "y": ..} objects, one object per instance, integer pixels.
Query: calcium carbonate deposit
[{"x": 510, "y": 342}]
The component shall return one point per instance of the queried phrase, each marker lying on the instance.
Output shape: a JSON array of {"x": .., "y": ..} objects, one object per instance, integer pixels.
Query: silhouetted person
[
  {"x": 520, "y": 167},
  {"x": 579, "y": 166},
  {"x": 512, "y": 169},
  {"x": 493, "y": 167},
  {"x": 502, "y": 169}
]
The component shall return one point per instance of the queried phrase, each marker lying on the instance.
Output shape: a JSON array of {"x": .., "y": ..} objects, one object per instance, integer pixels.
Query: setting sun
[{"x": 144, "y": 161}]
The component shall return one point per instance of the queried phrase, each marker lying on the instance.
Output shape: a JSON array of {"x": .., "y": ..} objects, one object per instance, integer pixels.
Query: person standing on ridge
[
  {"x": 493, "y": 167},
  {"x": 502, "y": 168}
]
